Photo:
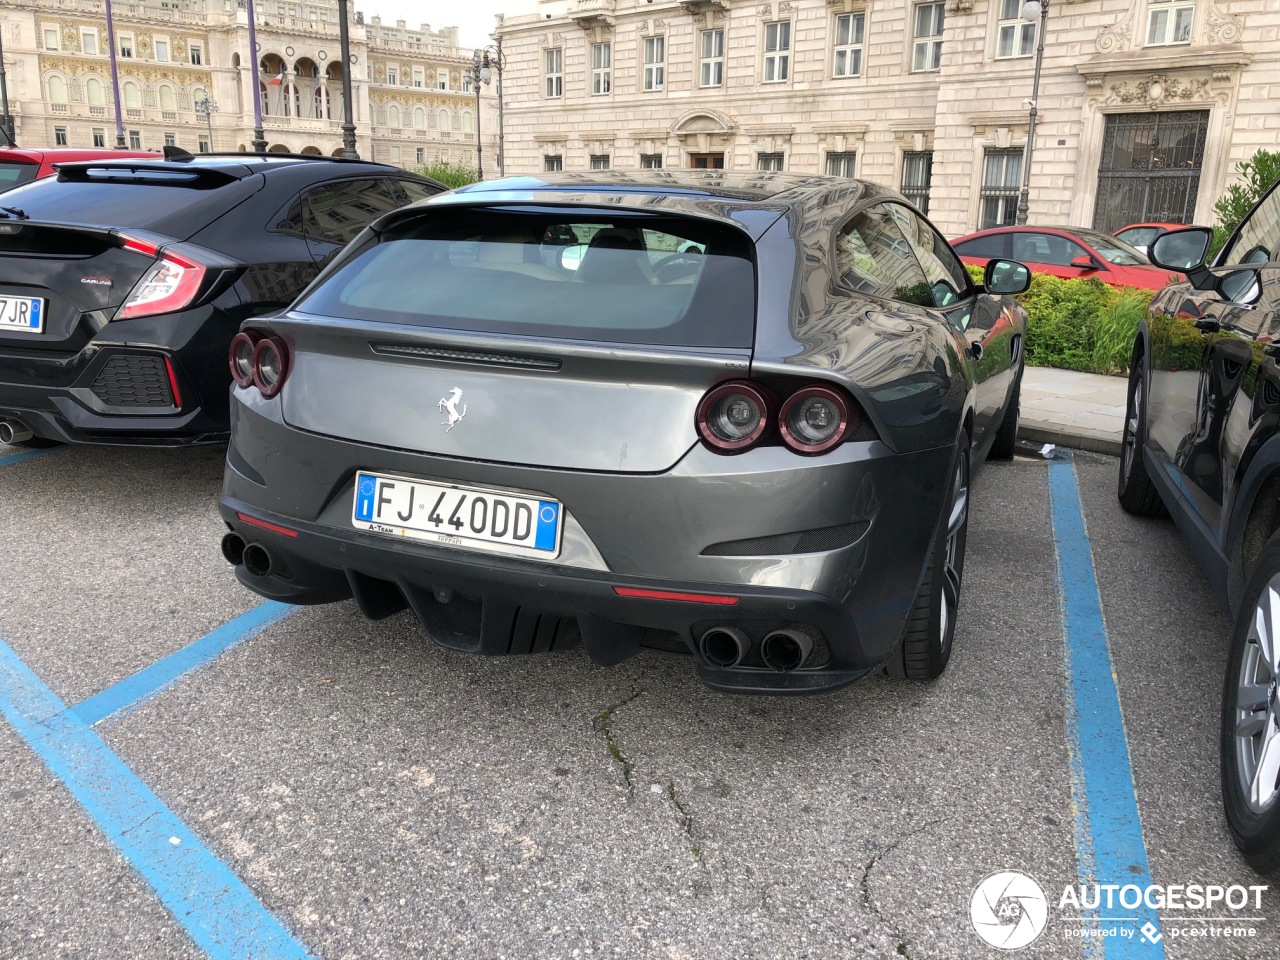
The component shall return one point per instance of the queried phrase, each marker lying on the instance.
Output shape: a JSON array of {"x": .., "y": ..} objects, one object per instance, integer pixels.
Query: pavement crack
[
  {"x": 137, "y": 826},
  {"x": 604, "y": 724},
  {"x": 685, "y": 819},
  {"x": 864, "y": 882}
]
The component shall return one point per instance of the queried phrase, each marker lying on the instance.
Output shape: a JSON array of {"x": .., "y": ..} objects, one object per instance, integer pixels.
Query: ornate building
[
  {"x": 412, "y": 96},
  {"x": 1144, "y": 108}
]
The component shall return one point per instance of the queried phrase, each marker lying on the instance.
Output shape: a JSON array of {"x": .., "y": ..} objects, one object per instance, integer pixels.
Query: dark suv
[
  {"x": 1202, "y": 439},
  {"x": 122, "y": 283}
]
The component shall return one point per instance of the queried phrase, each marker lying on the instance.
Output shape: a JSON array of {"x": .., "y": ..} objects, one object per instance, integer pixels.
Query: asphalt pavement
[{"x": 381, "y": 797}]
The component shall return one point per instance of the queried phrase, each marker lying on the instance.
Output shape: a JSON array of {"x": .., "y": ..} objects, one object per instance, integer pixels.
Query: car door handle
[{"x": 1208, "y": 325}]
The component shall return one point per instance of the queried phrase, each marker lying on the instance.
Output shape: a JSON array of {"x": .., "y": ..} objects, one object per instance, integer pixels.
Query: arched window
[
  {"x": 132, "y": 96},
  {"x": 419, "y": 118},
  {"x": 168, "y": 100},
  {"x": 467, "y": 125},
  {"x": 57, "y": 90},
  {"x": 393, "y": 116},
  {"x": 93, "y": 92},
  {"x": 444, "y": 119}
]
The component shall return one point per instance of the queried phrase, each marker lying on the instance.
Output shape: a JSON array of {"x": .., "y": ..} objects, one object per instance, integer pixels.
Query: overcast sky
[{"x": 473, "y": 18}]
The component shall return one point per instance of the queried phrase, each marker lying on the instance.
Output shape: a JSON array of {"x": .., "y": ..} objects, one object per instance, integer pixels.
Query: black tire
[
  {"x": 1136, "y": 491},
  {"x": 1007, "y": 434},
  {"x": 931, "y": 626},
  {"x": 1250, "y": 735}
]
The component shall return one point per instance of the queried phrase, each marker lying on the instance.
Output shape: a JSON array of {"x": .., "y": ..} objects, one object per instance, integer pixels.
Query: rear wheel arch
[{"x": 1255, "y": 518}]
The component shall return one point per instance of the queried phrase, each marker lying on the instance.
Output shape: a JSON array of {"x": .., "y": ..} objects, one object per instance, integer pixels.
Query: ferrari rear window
[
  {"x": 14, "y": 174},
  {"x": 572, "y": 274}
]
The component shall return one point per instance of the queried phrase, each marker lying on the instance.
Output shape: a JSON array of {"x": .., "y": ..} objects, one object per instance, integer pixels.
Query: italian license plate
[
  {"x": 22, "y": 313},
  {"x": 459, "y": 516}
]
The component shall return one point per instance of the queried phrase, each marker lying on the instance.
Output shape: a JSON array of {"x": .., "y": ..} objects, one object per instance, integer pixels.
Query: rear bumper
[{"x": 650, "y": 531}]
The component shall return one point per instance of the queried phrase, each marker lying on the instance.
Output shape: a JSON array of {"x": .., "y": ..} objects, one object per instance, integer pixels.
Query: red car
[
  {"x": 1140, "y": 236},
  {"x": 1069, "y": 252},
  {"x": 19, "y": 165}
]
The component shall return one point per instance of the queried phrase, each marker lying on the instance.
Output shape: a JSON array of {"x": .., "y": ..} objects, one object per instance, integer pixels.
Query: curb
[{"x": 1077, "y": 439}]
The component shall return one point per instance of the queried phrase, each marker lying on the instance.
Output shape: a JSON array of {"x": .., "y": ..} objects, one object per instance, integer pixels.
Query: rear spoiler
[{"x": 150, "y": 172}]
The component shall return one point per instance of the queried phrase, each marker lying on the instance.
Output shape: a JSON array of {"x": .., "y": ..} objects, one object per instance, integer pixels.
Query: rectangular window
[
  {"x": 99, "y": 137},
  {"x": 846, "y": 60},
  {"x": 599, "y": 161},
  {"x": 162, "y": 51},
  {"x": 1169, "y": 22},
  {"x": 197, "y": 55},
  {"x": 777, "y": 51},
  {"x": 554, "y": 73},
  {"x": 393, "y": 75},
  {"x": 419, "y": 77},
  {"x": 442, "y": 79},
  {"x": 204, "y": 144},
  {"x": 650, "y": 161},
  {"x": 170, "y": 140},
  {"x": 126, "y": 46},
  {"x": 769, "y": 162},
  {"x": 1001, "y": 180},
  {"x": 841, "y": 164},
  {"x": 553, "y": 163},
  {"x": 89, "y": 42},
  {"x": 59, "y": 136},
  {"x": 711, "y": 62},
  {"x": 917, "y": 171},
  {"x": 135, "y": 140},
  {"x": 1015, "y": 37},
  {"x": 420, "y": 156},
  {"x": 655, "y": 63},
  {"x": 601, "y": 68},
  {"x": 395, "y": 154},
  {"x": 51, "y": 38},
  {"x": 926, "y": 49}
]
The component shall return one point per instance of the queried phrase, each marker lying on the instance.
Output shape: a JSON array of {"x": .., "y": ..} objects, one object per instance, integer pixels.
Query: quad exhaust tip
[
  {"x": 233, "y": 549},
  {"x": 724, "y": 646},
  {"x": 785, "y": 650},
  {"x": 11, "y": 431},
  {"x": 257, "y": 560}
]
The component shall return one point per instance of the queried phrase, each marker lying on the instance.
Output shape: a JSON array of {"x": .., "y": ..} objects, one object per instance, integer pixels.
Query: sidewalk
[{"x": 1084, "y": 411}]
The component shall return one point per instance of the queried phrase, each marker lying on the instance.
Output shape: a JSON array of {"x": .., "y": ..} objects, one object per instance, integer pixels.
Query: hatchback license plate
[
  {"x": 460, "y": 516},
  {"x": 22, "y": 313}
]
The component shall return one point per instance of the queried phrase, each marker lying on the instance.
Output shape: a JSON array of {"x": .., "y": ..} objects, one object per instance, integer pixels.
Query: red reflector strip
[
  {"x": 274, "y": 528},
  {"x": 173, "y": 383},
  {"x": 139, "y": 246},
  {"x": 675, "y": 595}
]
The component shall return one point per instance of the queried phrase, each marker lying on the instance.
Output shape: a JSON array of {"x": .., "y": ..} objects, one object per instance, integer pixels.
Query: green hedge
[{"x": 1080, "y": 324}]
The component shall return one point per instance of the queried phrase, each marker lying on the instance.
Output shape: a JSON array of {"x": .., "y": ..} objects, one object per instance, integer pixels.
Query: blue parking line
[
  {"x": 217, "y": 910},
  {"x": 1109, "y": 844},
  {"x": 28, "y": 455},
  {"x": 133, "y": 691}
]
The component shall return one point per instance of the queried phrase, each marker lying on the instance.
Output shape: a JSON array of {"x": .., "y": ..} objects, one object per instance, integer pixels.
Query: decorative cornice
[
  {"x": 1218, "y": 58},
  {"x": 1158, "y": 90}
]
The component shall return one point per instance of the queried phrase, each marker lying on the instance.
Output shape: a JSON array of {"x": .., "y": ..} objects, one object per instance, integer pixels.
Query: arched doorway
[
  {"x": 308, "y": 81},
  {"x": 278, "y": 148},
  {"x": 311, "y": 151},
  {"x": 271, "y": 85},
  {"x": 331, "y": 92}
]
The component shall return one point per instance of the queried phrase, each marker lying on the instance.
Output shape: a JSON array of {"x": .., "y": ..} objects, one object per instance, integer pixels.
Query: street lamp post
[
  {"x": 115, "y": 78},
  {"x": 259, "y": 138},
  {"x": 6, "y": 118},
  {"x": 207, "y": 108},
  {"x": 477, "y": 65},
  {"x": 1032, "y": 10},
  {"x": 485, "y": 62},
  {"x": 348, "y": 123}
]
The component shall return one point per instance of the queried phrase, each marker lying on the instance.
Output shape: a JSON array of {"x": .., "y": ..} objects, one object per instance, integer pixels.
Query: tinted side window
[
  {"x": 292, "y": 220},
  {"x": 873, "y": 257},
  {"x": 337, "y": 212},
  {"x": 942, "y": 268},
  {"x": 1046, "y": 248},
  {"x": 412, "y": 190},
  {"x": 1258, "y": 239},
  {"x": 994, "y": 245}
]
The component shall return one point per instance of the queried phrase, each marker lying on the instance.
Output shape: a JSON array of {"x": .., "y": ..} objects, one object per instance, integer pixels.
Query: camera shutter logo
[{"x": 1009, "y": 910}]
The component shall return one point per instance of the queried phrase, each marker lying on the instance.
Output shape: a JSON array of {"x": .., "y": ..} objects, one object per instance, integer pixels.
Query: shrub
[
  {"x": 1258, "y": 173},
  {"x": 450, "y": 173}
]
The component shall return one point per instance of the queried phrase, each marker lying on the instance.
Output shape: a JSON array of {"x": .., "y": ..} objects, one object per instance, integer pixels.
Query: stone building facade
[
  {"x": 412, "y": 95},
  {"x": 1144, "y": 108}
]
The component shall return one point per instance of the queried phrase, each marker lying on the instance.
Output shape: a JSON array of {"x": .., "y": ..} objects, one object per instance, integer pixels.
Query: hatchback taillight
[
  {"x": 813, "y": 418},
  {"x": 734, "y": 416},
  {"x": 170, "y": 284},
  {"x": 259, "y": 361}
]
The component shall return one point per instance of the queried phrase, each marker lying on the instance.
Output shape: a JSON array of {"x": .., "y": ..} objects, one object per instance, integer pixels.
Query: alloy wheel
[
  {"x": 1257, "y": 716},
  {"x": 1132, "y": 423},
  {"x": 953, "y": 562}
]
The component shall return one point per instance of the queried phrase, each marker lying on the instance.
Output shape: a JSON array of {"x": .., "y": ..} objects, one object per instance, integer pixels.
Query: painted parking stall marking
[
  {"x": 221, "y": 914},
  {"x": 1110, "y": 847},
  {"x": 28, "y": 455}
]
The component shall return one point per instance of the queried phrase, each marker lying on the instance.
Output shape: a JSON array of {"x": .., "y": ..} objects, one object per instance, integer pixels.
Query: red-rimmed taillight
[
  {"x": 815, "y": 419},
  {"x": 241, "y": 357},
  {"x": 170, "y": 284},
  {"x": 734, "y": 416},
  {"x": 270, "y": 365}
]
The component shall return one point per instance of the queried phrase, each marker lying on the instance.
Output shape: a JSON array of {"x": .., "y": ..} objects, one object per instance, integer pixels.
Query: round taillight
[
  {"x": 241, "y": 358},
  {"x": 733, "y": 416},
  {"x": 270, "y": 365},
  {"x": 814, "y": 419}
]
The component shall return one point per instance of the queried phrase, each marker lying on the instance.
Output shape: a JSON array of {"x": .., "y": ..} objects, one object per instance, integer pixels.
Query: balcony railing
[
  {"x": 58, "y": 107},
  {"x": 97, "y": 111}
]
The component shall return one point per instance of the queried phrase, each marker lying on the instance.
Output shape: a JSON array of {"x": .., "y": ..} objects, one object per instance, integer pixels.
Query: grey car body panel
[{"x": 648, "y": 517}]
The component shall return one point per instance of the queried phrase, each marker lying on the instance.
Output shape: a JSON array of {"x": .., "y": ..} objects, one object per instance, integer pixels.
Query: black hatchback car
[
  {"x": 1202, "y": 439},
  {"x": 122, "y": 283}
]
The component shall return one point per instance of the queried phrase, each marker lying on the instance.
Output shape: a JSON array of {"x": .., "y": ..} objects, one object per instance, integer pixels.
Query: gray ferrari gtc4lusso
[{"x": 732, "y": 416}]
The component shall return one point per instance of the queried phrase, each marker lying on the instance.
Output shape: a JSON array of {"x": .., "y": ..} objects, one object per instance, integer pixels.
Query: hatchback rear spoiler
[{"x": 150, "y": 172}]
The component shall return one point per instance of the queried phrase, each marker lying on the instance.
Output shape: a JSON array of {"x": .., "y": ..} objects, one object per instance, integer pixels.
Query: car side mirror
[
  {"x": 1181, "y": 250},
  {"x": 1006, "y": 277},
  {"x": 1084, "y": 262},
  {"x": 1240, "y": 288}
]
